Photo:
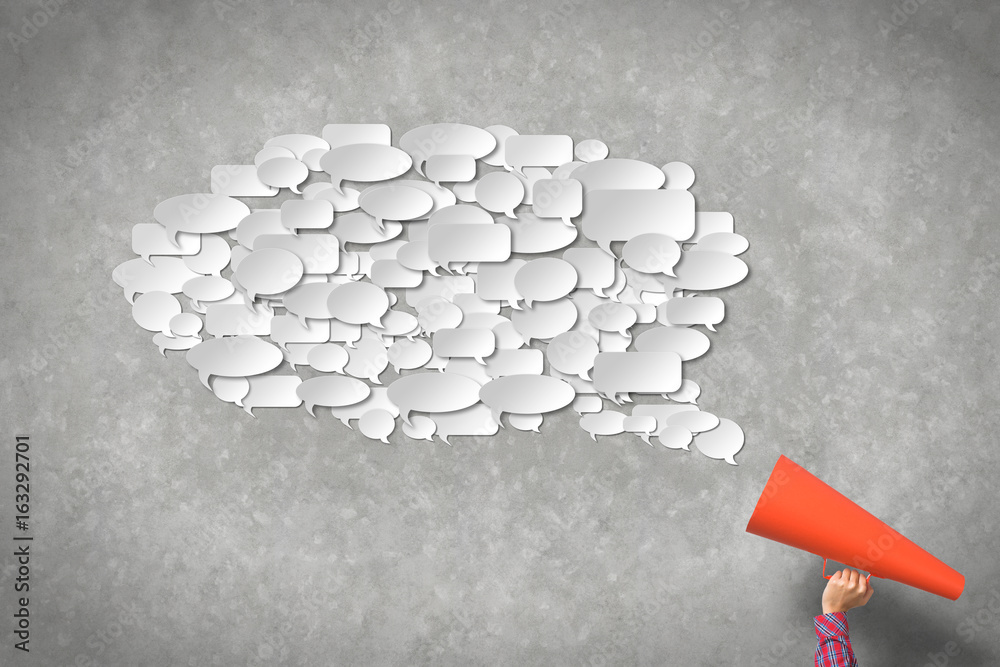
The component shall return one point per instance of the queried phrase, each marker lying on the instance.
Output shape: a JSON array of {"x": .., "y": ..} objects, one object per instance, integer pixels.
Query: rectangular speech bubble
[
  {"x": 468, "y": 243},
  {"x": 636, "y": 372},
  {"x": 538, "y": 150},
  {"x": 515, "y": 362},
  {"x": 288, "y": 329},
  {"x": 469, "y": 343},
  {"x": 619, "y": 215},
  {"x": 149, "y": 239}
]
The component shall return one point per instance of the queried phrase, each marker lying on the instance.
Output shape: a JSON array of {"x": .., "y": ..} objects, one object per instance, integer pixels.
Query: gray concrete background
[{"x": 856, "y": 144}]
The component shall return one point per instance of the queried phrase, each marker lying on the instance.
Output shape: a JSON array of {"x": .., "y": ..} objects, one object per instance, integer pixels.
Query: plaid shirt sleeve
[{"x": 834, "y": 648}]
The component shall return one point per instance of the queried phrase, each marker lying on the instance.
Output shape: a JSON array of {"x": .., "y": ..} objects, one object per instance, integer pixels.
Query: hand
[{"x": 846, "y": 589}]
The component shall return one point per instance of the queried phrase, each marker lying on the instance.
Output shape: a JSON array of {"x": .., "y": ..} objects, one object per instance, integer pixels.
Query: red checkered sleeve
[{"x": 834, "y": 648}]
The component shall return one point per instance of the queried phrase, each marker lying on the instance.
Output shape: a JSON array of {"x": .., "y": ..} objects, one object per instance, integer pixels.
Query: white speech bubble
[
  {"x": 695, "y": 421},
  {"x": 441, "y": 286},
  {"x": 269, "y": 270},
  {"x": 420, "y": 428},
  {"x": 613, "y": 317},
  {"x": 208, "y": 288},
  {"x": 470, "y": 368},
  {"x": 331, "y": 391},
  {"x": 226, "y": 319},
  {"x": 397, "y": 323},
  {"x": 289, "y": 329},
  {"x": 473, "y": 304},
  {"x": 343, "y": 200},
  {"x": 584, "y": 404},
  {"x": 595, "y": 268},
  {"x": 572, "y": 353},
  {"x": 160, "y": 274},
  {"x": 199, "y": 214},
  {"x": 214, "y": 255},
  {"x": 706, "y": 270},
  {"x": 636, "y": 372},
  {"x": 435, "y": 313},
  {"x": 364, "y": 163},
  {"x": 153, "y": 311},
  {"x": 312, "y": 159},
  {"x": 545, "y": 319},
  {"x": 239, "y": 180},
  {"x": 545, "y": 279},
  {"x": 239, "y": 356},
  {"x": 557, "y": 198},
  {"x": 309, "y": 301},
  {"x": 272, "y": 391},
  {"x": 358, "y": 303},
  {"x": 688, "y": 392},
  {"x": 342, "y": 332},
  {"x": 537, "y": 150},
  {"x": 345, "y": 134},
  {"x": 259, "y": 223},
  {"x": 652, "y": 253},
  {"x": 687, "y": 343},
  {"x": 662, "y": 412},
  {"x": 618, "y": 174},
  {"x": 500, "y": 192},
  {"x": 409, "y": 354},
  {"x": 642, "y": 425},
  {"x": 150, "y": 239},
  {"x": 185, "y": 324},
  {"x": 506, "y": 362},
  {"x": 684, "y": 311},
  {"x": 269, "y": 152},
  {"x": 317, "y": 253},
  {"x": 726, "y": 242},
  {"x": 298, "y": 214},
  {"x": 394, "y": 202},
  {"x": 566, "y": 170},
  {"x": 377, "y": 424},
  {"x": 389, "y": 273},
  {"x": 525, "y": 422},
  {"x": 450, "y": 168},
  {"x": 433, "y": 392},
  {"x": 605, "y": 422},
  {"x": 533, "y": 235},
  {"x": 451, "y": 243},
  {"x": 367, "y": 359},
  {"x": 283, "y": 172},
  {"x": 231, "y": 389},
  {"x": 500, "y": 132},
  {"x": 619, "y": 215},
  {"x": 526, "y": 394},
  {"x": 327, "y": 358},
  {"x": 679, "y": 176},
  {"x": 675, "y": 437},
  {"x": 446, "y": 139},
  {"x": 469, "y": 343},
  {"x": 360, "y": 227},
  {"x": 460, "y": 214},
  {"x": 507, "y": 336},
  {"x": 590, "y": 150},
  {"x": 297, "y": 354},
  {"x": 722, "y": 443},
  {"x": 475, "y": 420}
]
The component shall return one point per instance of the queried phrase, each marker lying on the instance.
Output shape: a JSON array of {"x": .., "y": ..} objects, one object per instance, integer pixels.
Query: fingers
[{"x": 852, "y": 578}]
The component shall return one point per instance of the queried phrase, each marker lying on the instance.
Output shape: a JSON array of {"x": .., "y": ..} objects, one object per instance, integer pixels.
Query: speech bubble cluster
[{"x": 533, "y": 274}]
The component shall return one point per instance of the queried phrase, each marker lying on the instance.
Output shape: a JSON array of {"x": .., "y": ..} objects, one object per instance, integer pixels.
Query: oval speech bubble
[
  {"x": 526, "y": 394},
  {"x": 409, "y": 354},
  {"x": 364, "y": 163},
  {"x": 723, "y": 442},
  {"x": 234, "y": 356},
  {"x": 687, "y": 343},
  {"x": 446, "y": 139},
  {"x": 433, "y": 392},
  {"x": 199, "y": 214},
  {"x": 283, "y": 172},
  {"x": 153, "y": 311},
  {"x": 269, "y": 271},
  {"x": 619, "y": 174},
  {"x": 605, "y": 422},
  {"x": 500, "y": 192},
  {"x": 394, "y": 202},
  {"x": 616, "y": 317},
  {"x": 331, "y": 391},
  {"x": 572, "y": 353},
  {"x": 545, "y": 320},
  {"x": 652, "y": 253},
  {"x": 358, "y": 303},
  {"x": 695, "y": 421},
  {"x": 545, "y": 279},
  {"x": 327, "y": 358},
  {"x": 377, "y": 424}
]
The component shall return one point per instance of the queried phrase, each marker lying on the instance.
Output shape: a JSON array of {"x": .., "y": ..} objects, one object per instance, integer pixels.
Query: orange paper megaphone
[{"x": 801, "y": 511}]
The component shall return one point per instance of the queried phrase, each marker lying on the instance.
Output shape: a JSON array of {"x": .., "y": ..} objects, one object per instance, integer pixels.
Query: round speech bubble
[
  {"x": 500, "y": 192},
  {"x": 545, "y": 320},
  {"x": 331, "y": 391},
  {"x": 185, "y": 324},
  {"x": 525, "y": 422},
  {"x": 675, "y": 437},
  {"x": 214, "y": 256},
  {"x": 420, "y": 428},
  {"x": 394, "y": 202},
  {"x": 617, "y": 317},
  {"x": 435, "y": 313},
  {"x": 358, "y": 303},
  {"x": 269, "y": 271},
  {"x": 680, "y": 176},
  {"x": 590, "y": 150},
  {"x": 377, "y": 424},
  {"x": 652, "y": 253},
  {"x": 688, "y": 392},
  {"x": 409, "y": 354},
  {"x": 572, "y": 353},
  {"x": 233, "y": 356},
  {"x": 526, "y": 394},
  {"x": 328, "y": 358},
  {"x": 153, "y": 311},
  {"x": 364, "y": 163},
  {"x": 208, "y": 288},
  {"x": 231, "y": 390},
  {"x": 545, "y": 279},
  {"x": 605, "y": 422},
  {"x": 723, "y": 442},
  {"x": 433, "y": 392},
  {"x": 283, "y": 172}
]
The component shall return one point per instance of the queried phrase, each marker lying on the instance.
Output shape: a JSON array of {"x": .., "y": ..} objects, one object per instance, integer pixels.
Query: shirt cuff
[{"x": 831, "y": 625}]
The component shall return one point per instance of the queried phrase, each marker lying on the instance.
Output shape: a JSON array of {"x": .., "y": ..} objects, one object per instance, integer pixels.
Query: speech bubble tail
[
  {"x": 374, "y": 379},
  {"x": 205, "y": 377},
  {"x": 480, "y": 361},
  {"x": 433, "y": 271},
  {"x": 337, "y": 186},
  {"x": 405, "y": 415},
  {"x": 686, "y": 448},
  {"x": 626, "y": 397},
  {"x": 645, "y": 438},
  {"x": 513, "y": 304},
  {"x": 385, "y": 440},
  {"x": 710, "y": 327},
  {"x": 309, "y": 409},
  {"x": 146, "y": 258},
  {"x": 172, "y": 233},
  {"x": 510, "y": 214},
  {"x": 670, "y": 272},
  {"x": 444, "y": 439},
  {"x": 130, "y": 295},
  {"x": 163, "y": 350},
  {"x": 346, "y": 422},
  {"x": 239, "y": 401},
  {"x": 593, "y": 436},
  {"x": 731, "y": 461},
  {"x": 497, "y": 417},
  {"x": 585, "y": 375},
  {"x": 249, "y": 410},
  {"x": 568, "y": 223},
  {"x": 295, "y": 188}
]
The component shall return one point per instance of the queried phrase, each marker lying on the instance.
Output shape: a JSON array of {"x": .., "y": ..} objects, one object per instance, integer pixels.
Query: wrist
[{"x": 833, "y": 610}]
